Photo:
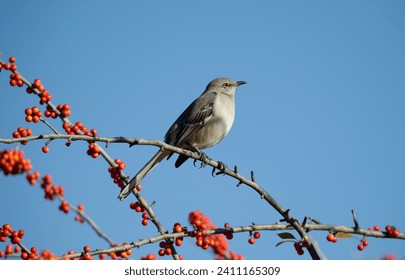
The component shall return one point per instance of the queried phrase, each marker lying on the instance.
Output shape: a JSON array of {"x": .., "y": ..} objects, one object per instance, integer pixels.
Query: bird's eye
[{"x": 225, "y": 85}]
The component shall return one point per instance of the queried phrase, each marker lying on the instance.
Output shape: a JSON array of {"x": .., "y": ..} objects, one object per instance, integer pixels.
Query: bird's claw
[
  {"x": 203, "y": 158},
  {"x": 221, "y": 167}
]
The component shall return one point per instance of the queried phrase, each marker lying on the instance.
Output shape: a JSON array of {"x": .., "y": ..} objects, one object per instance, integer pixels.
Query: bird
[{"x": 203, "y": 124}]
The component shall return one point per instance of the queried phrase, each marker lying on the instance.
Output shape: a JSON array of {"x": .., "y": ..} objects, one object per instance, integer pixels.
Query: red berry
[
  {"x": 45, "y": 149},
  {"x": 13, "y": 67},
  {"x": 28, "y": 118},
  {"x": 37, "y": 83},
  {"x": 12, "y": 59},
  {"x": 395, "y": 233},
  {"x": 360, "y": 247},
  {"x": 330, "y": 237},
  {"x": 34, "y": 250},
  {"x": 376, "y": 228},
  {"x": 388, "y": 228},
  {"x": 132, "y": 205},
  {"x": 365, "y": 243},
  {"x": 86, "y": 249},
  {"x": 144, "y": 222},
  {"x": 7, "y": 227},
  {"x": 28, "y": 111},
  {"x": 161, "y": 252},
  {"x": 179, "y": 241},
  {"x": 168, "y": 251},
  {"x": 24, "y": 255},
  {"x": 251, "y": 240},
  {"x": 256, "y": 235},
  {"x": 16, "y": 240}
]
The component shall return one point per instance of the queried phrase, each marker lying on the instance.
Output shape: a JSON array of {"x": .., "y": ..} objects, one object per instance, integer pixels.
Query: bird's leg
[{"x": 203, "y": 157}]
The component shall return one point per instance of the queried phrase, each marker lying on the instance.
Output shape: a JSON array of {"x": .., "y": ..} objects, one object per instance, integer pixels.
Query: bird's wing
[{"x": 191, "y": 120}]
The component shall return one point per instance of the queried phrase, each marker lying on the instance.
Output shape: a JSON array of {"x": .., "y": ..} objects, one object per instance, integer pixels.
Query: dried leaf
[
  {"x": 286, "y": 235},
  {"x": 284, "y": 241},
  {"x": 343, "y": 235}
]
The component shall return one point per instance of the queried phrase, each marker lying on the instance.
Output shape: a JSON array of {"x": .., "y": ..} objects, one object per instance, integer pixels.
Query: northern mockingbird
[{"x": 203, "y": 124}]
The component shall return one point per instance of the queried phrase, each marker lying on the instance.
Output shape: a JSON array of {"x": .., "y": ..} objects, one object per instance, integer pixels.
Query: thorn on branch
[
  {"x": 252, "y": 176},
  {"x": 314, "y": 220},
  {"x": 356, "y": 223},
  {"x": 286, "y": 214},
  {"x": 235, "y": 169},
  {"x": 304, "y": 222},
  {"x": 152, "y": 204},
  {"x": 134, "y": 142}
]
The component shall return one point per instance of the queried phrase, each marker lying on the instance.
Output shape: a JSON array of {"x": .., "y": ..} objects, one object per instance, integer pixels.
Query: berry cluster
[
  {"x": 32, "y": 177},
  {"x": 15, "y": 236},
  {"x": 50, "y": 189},
  {"x": 10, "y": 250},
  {"x": 216, "y": 241},
  {"x": 392, "y": 231},
  {"x": 21, "y": 132},
  {"x": 79, "y": 218},
  {"x": 122, "y": 254},
  {"x": 37, "y": 84},
  {"x": 45, "y": 97},
  {"x": 363, "y": 243},
  {"x": 166, "y": 249},
  {"x": 252, "y": 239},
  {"x": 9, "y": 66},
  {"x": 140, "y": 209},
  {"x": 116, "y": 172},
  {"x": 33, "y": 114},
  {"x": 77, "y": 128},
  {"x": 16, "y": 80},
  {"x": 64, "y": 110},
  {"x": 298, "y": 246},
  {"x": 94, "y": 151},
  {"x": 64, "y": 206},
  {"x": 86, "y": 256},
  {"x": 13, "y": 162},
  {"x": 332, "y": 238},
  {"x": 7, "y": 232},
  {"x": 149, "y": 257}
]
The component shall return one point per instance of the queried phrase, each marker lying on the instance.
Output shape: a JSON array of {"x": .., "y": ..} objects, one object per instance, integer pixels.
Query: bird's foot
[
  {"x": 203, "y": 158},
  {"x": 221, "y": 167}
]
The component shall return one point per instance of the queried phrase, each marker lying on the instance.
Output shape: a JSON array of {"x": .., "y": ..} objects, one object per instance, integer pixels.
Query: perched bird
[{"x": 205, "y": 122}]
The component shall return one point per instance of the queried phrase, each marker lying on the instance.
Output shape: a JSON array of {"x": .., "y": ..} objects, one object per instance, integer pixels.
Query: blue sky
[{"x": 321, "y": 120}]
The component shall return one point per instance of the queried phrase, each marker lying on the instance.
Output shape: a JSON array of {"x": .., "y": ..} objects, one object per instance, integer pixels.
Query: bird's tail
[{"x": 158, "y": 157}]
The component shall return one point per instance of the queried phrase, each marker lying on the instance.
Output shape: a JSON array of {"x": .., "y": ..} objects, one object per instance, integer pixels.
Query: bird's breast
[{"x": 218, "y": 126}]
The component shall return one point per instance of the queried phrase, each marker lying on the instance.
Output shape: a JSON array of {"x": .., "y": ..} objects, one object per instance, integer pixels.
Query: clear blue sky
[{"x": 321, "y": 120}]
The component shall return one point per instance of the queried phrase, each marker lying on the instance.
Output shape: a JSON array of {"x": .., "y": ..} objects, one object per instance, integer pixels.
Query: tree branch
[{"x": 312, "y": 249}]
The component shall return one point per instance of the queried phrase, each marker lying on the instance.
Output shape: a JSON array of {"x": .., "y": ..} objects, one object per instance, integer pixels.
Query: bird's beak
[{"x": 239, "y": 83}]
